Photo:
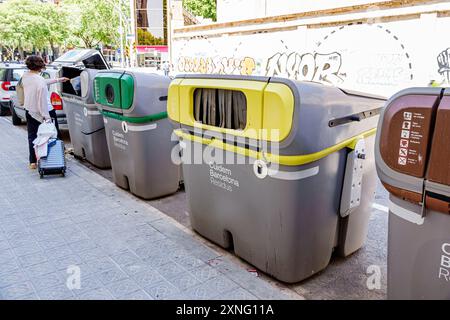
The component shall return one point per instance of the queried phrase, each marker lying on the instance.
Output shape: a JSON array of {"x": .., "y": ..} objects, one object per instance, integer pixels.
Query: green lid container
[{"x": 114, "y": 90}]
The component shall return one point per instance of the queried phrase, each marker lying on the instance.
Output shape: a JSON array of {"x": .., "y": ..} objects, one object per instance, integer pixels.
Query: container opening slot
[
  {"x": 220, "y": 108},
  {"x": 437, "y": 202},
  {"x": 74, "y": 75}
]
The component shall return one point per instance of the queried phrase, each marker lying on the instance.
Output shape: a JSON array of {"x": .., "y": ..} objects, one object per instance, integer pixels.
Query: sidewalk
[{"x": 125, "y": 248}]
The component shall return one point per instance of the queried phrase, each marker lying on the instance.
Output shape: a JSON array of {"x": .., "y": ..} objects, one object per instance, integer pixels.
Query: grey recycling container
[
  {"x": 85, "y": 122},
  {"x": 138, "y": 132},
  {"x": 281, "y": 171},
  {"x": 412, "y": 160}
]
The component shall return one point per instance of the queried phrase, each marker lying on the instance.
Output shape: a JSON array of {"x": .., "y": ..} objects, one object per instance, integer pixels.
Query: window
[
  {"x": 151, "y": 22},
  {"x": 2, "y": 74},
  {"x": 95, "y": 62},
  {"x": 17, "y": 74},
  {"x": 220, "y": 108},
  {"x": 73, "y": 55},
  {"x": 45, "y": 75}
]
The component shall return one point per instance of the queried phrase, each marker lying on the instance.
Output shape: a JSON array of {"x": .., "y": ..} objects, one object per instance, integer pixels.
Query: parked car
[
  {"x": 10, "y": 73},
  {"x": 83, "y": 58}
]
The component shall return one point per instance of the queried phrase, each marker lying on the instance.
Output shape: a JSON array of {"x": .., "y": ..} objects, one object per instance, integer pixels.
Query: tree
[
  {"x": 94, "y": 21},
  {"x": 146, "y": 38},
  {"x": 16, "y": 26},
  {"x": 26, "y": 24},
  {"x": 203, "y": 8},
  {"x": 54, "y": 27},
  {"x": 34, "y": 26}
]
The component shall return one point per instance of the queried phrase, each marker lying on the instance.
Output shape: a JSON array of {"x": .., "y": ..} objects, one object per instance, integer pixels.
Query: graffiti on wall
[
  {"x": 391, "y": 70},
  {"x": 217, "y": 65},
  {"x": 309, "y": 66},
  {"x": 443, "y": 60},
  {"x": 376, "y": 59},
  {"x": 387, "y": 65}
]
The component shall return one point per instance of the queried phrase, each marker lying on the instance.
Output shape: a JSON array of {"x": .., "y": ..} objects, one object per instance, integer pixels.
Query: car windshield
[{"x": 73, "y": 55}]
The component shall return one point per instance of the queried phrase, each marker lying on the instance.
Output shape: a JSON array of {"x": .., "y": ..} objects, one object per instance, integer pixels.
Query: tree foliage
[
  {"x": 32, "y": 25},
  {"x": 26, "y": 24},
  {"x": 146, "y": 38},
  {"x": 94, "y": 21},
  {"x": 203, "y": 8}
]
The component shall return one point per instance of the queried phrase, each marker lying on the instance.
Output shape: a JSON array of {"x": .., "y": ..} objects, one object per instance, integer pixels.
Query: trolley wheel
[{"x": 63, "y": 174}]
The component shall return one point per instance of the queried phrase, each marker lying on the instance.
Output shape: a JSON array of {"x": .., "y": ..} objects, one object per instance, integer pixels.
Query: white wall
[
  {"x": 381, "y": 58},
  {"x": 232, "y": 10}
]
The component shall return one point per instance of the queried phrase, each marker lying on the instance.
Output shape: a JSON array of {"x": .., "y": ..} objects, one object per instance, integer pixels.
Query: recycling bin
[
  {"x": 412, "y": 160},
  {"x": 281, "y": 171},
  {"x": 85, "y": 122},
  {"x": 138, "y": 132}
]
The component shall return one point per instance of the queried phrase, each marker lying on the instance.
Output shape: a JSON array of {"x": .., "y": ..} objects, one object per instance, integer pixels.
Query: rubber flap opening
[{"x": 221, "y": 108}]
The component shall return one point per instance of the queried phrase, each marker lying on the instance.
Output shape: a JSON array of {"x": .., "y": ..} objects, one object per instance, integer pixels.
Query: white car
[{"x": 10, "y": 74}]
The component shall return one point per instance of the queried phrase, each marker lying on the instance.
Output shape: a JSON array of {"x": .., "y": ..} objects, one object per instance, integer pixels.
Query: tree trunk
[
  {"x": 10, "y": 52},
  {"x": 55, "y": 51},
  {"x": 21, "y": 53}
]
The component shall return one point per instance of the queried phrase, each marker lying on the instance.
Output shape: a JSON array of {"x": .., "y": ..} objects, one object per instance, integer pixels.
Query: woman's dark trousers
[{"x": 32, "y": 128}]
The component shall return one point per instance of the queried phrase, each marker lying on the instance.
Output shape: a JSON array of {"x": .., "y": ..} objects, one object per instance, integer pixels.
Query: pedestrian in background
[
  {"x": 36, "y": 101},
  {"x": 166, "y": 68}
]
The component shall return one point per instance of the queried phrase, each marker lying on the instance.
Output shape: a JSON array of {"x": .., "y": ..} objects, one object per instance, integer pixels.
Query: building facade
[{"x": 151, "y": 32}]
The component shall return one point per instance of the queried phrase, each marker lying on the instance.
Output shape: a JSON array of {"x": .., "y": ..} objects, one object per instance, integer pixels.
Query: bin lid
[
  {"x": 114, "y": 89},
  {"x": 277, "y": 110},
  {"x": 412, "y": 149},
  {"x": 86, "y": 58},
  {"x": 135, "y": 97}
]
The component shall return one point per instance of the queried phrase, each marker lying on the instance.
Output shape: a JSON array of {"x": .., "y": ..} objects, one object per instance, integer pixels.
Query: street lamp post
[
  {"x": 122, "y": 54},
  {"x": 123, "y": 21},
  {"x": 133, "y": 33}
]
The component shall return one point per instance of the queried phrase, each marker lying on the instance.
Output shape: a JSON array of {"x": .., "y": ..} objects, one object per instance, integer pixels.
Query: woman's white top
[{"x": 36, "y": 96}]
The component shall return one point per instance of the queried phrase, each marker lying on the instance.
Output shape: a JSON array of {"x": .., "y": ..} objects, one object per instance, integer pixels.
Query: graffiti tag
[
  {"x": 443, "y": 60},
  {"x": 217, "y": 65},
  {"x": 310, "y": 67},
  {"x": 386, "y": 70},
  {"x": 380, "y": 76}
]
